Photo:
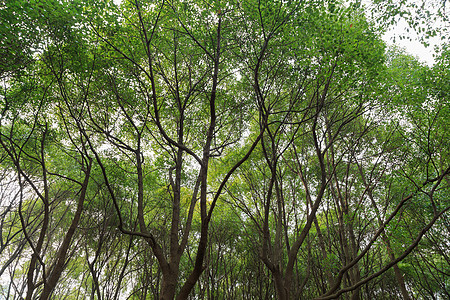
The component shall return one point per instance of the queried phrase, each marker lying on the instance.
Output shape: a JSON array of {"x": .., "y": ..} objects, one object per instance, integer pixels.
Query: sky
[{"x": 412, "y": 46}]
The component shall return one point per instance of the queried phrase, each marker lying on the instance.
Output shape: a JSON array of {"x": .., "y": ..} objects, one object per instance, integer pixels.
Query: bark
[
  {"x": 169, "y": 283},
  {"x": 281, "y": 290}
]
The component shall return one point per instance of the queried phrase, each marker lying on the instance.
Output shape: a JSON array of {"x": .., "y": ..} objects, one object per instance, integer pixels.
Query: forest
[{"x": 212, "y": 149}]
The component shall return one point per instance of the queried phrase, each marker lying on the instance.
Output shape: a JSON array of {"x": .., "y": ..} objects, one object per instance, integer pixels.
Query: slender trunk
[
  {"x": 171, "y": 273},
  {"x": 124, "y": 267},
  {"x": 62, "y": 253},
  {"x": 400, "y": 280},
  {"x": 328, "y": 275},
  {"x": 355, "y": 272},
  {"x": 205, "y": 219},
  {"x": 384, "y": 237},
  {"x": 36, "y": 252}
]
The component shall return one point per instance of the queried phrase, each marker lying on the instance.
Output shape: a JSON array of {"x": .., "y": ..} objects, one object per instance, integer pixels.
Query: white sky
[{"x": 413, "y": 46}]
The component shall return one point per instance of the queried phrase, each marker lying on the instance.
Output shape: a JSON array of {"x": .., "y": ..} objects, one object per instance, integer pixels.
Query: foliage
[{"x": 219, "y": 150}]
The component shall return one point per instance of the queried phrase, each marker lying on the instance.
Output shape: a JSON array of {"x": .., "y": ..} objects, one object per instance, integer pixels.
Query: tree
[{"x": 220, "y": 150}]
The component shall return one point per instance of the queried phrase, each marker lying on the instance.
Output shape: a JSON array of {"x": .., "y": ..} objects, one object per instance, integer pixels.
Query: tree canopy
[{"x": 190, "y": 149}]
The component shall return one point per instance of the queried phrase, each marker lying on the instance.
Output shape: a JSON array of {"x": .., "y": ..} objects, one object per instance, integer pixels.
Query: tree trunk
[
  {"x": 169, "y": 284},
  {"x": 58, "y": 267},
  {"x": 282, "y": 292}
]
